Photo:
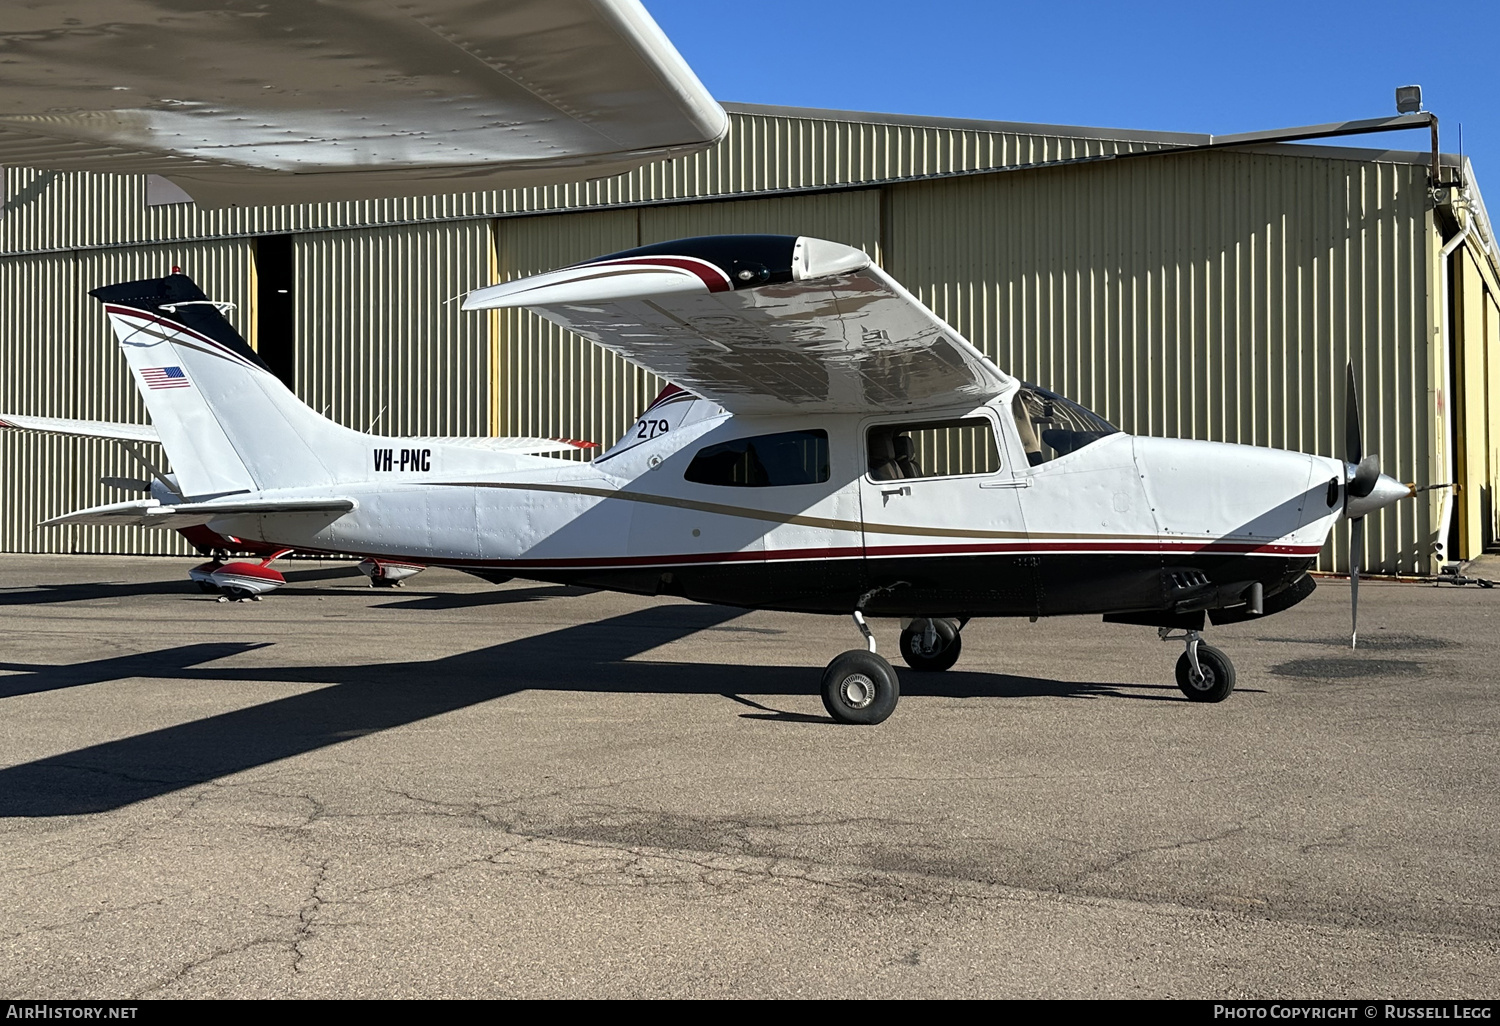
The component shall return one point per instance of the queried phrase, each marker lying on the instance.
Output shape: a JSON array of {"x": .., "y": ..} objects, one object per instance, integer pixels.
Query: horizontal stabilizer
[
  {"x": 151, "y": 513},
  {"x": 83, "y": 428}
]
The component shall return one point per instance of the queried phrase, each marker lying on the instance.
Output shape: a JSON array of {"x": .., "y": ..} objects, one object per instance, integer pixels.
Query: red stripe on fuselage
[{"x": 1105, "y": 547}]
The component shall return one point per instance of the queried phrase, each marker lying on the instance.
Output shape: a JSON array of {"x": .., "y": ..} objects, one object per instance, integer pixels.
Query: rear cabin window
[
  {"x": 788, "y": 458},
  {"x": 935, "y": 449}
]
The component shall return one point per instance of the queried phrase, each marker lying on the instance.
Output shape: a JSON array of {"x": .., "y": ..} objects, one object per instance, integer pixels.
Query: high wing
[
  {"x": 288, "y": 101},
  {"x": 152, "y": 513},
  {"x": 83, "y": 428},
  {"x": 763, "y": 324}
]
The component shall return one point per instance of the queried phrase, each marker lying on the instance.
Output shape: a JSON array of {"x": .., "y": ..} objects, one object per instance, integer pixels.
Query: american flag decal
[{"x": 165, "y": 377}]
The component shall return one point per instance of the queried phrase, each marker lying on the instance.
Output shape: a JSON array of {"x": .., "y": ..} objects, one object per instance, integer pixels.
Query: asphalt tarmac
[{"x": 456, "y": 789}]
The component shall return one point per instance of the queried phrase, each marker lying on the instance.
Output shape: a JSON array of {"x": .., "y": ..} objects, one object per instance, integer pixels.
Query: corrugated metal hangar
[{"x": 1175, "y": 284}]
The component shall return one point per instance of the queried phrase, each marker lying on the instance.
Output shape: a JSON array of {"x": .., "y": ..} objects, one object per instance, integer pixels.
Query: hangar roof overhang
[
  {"x": 1463, "y": 199},
  {"x": 769, "y": 151}
]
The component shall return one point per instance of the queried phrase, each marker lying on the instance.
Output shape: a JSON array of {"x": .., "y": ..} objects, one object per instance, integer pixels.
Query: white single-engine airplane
[{"x": 828, "y": 446}]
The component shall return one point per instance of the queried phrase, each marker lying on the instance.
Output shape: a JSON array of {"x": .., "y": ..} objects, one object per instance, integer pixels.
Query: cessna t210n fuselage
[{"x": 828, "y": 445}]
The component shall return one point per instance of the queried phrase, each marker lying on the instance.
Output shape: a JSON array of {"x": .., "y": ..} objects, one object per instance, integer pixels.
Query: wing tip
[{"x": 819, "y": 258}]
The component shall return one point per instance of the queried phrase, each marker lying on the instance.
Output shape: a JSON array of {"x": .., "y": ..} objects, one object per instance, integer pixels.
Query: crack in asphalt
[
  {"x": 1132, "y": 854},
  {"x": 208, "y": 959},
  {"x": 607, "y": 846},
  {"x": 307, "y": 915},
  {"x": 87, "y": 919}
]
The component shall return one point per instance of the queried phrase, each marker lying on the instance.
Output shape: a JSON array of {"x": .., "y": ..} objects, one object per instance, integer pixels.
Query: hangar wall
[
  {"x": 1211, "y": 294},
  {"x": 381, "y": 341},
  {"x": 1475, "y": 317}
]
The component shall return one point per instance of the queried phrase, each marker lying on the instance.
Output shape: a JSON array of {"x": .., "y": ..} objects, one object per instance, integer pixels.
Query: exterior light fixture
[{"x": 1408, "y": 99}]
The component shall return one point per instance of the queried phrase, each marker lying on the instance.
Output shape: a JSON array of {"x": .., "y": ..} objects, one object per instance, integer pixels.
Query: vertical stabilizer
[{"x": 227, "y": 424}]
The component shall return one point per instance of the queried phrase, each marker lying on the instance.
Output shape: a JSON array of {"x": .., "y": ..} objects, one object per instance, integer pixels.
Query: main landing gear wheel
[
  {"x": 860, "y": 687},
  {"x": 1215, "y": 680},
  {"x": 931, "y": 644}
]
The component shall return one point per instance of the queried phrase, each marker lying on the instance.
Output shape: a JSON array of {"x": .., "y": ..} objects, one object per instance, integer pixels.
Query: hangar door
[{"x": 1476, "y": 414}]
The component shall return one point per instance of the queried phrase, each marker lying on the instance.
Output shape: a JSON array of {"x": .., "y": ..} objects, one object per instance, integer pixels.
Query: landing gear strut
[
  {"x": 1204, "y": 673},
  {"x": 860, "y": 686}
]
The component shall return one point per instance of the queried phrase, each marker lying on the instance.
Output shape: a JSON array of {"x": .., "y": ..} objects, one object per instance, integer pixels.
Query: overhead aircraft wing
[
  {"x": 152, "y": 513},
  {"x": 85, "y": 428},
  {"x": 763, "y": 324},
  {"x": 291, "y": 101}
]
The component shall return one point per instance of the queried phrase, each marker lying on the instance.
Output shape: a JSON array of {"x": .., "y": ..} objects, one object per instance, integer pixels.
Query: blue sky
[{"x": 1192, "y": 67}]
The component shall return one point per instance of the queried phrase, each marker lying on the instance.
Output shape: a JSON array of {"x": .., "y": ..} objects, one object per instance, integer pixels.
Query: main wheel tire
[
  {"x": 860, "y": 687},
  {"x": 1218, "y": 675},
  {"x": 950, "y": 644}
]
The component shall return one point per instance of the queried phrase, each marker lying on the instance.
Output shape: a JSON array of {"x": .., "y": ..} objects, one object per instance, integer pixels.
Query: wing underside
[
  {"x": 763, "y": 325},
  {"x": 283, "y": 101}
]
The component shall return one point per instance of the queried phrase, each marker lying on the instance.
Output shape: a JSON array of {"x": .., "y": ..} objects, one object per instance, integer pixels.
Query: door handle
[{"x": 886, "y": 493}]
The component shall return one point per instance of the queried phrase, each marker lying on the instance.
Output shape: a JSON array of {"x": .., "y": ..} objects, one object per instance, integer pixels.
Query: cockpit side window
[
  {"x": 786, "y": 458},
  {"x": 1051, "y": 426},
  {"x": 933, "y": 449}
]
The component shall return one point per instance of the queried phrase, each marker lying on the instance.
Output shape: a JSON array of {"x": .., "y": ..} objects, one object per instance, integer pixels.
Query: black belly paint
[{"x": 961, "y": 585}]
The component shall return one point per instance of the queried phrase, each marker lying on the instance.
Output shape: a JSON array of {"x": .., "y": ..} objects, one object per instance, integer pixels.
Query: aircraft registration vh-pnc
[{"x": 828, "y": 445}]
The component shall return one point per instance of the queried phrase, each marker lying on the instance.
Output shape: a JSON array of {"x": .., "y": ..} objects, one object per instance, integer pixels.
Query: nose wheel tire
[
  {"x": 1217, "y": 680},
  {"x": 943, "y": 652},
  {"x": 860, "y": 687}
]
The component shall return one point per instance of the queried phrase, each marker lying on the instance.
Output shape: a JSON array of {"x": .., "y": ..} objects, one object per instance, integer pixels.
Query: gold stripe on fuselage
[{"x": 824, "y": 523}]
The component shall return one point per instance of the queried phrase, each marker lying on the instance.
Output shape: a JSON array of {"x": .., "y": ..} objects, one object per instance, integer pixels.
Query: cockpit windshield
[{"x": 1052, "y": 426}]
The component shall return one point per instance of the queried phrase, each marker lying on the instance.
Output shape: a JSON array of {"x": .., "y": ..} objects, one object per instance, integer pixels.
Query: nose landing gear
[
  {"x": 932, "y": 643},
  {"x": 1204, "y": 673}
]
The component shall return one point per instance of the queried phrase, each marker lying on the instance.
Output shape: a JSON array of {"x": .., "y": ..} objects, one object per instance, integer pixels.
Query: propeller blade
[
  {"x": 1365, "y": 476},
  {"x": 1354, "y": 445},
  {"x": 1356, "y": 554}
]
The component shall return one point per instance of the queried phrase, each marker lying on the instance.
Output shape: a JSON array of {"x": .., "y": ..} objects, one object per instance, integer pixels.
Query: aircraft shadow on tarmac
[
  {"x": 47, "y": 594},
  {"x": 52, "y": 594},
  {"x": 364, "y": 699},
  {"x": 466, "y": 600}
]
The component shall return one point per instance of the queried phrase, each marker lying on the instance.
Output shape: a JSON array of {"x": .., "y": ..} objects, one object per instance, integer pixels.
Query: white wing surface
[
  {"x": 285, "y": 101},
  {"x": 763, "y": 324},
  {"x": 84, "y": 428}
]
